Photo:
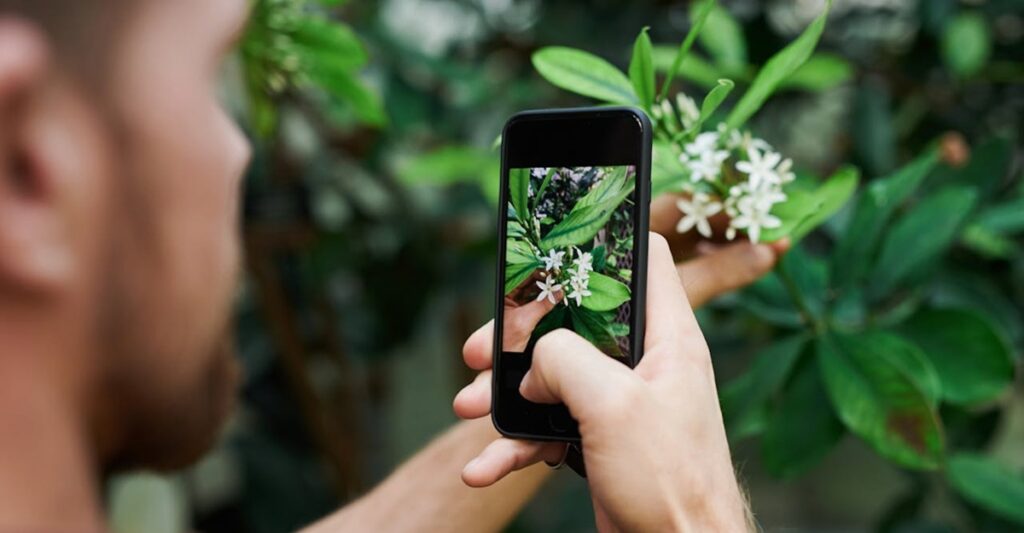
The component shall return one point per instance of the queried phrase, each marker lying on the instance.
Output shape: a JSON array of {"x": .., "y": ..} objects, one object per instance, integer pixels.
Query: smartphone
[{"x": 574, "y": 207}]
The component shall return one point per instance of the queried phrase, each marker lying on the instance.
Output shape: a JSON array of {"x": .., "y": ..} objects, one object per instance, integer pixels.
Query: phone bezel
[{"x": 564, "y": 138}]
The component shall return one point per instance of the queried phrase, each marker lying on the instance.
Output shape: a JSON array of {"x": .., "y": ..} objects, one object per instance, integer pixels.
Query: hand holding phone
[
  {"x": 573, "y": 234},
  {"x": 657, "y": 452}
]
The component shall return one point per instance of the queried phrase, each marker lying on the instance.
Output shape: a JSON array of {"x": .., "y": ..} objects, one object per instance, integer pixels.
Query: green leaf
[
  {"x": 450, "y": 164},
  {"x": 323, "y": 43},
  {"x": 871, "y": 215},
  {"x": 972, "y": 361},
  {"x": 596, "y": 328},
  {"x": 584, "y": 73},
  {"x": 917, "y": 239},
  {"x": 693, "y": 68},
  {"x": 1004, "y": 218},
  {"x": 743, "y": 398},
  {"x": 518, "y": 192},
  {"x": 666, "y": 171},
  {"x": 641, "y": 69},
  {"x": 879, "y": 401},
  {"x": 832, "y": 196},
  {"x": 684, "y": 47},
  {"x": 803, "y": 411},
  {"x": 966, "y": 44},
  {"x": 988, "y": 484},
  {"x": 821, "y": 72},
  {"x": 799, "y": 206},
  {"x": 722, "y": 37},
  {"x": 711, "y": 102},
  {"x": 343, "y": 86},
  {"x": 777, "y": 69},
  {"x": 599, "y": 255},
  {"x": 591, "y": 212},
  {"x": 606, "y": 293},
  {"x": 988, "y": 244},
  {"x": 517, "y": 273}
]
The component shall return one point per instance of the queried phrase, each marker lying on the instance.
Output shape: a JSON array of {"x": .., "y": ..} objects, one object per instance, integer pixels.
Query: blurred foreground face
[{"x": 142, "y": 173}]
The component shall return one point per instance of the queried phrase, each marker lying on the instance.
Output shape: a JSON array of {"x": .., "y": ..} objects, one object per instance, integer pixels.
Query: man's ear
[{"x": 34, "y": 252}]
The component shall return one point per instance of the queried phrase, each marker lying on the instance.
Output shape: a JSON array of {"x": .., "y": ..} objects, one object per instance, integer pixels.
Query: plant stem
[{"x": 798, "y": 298}]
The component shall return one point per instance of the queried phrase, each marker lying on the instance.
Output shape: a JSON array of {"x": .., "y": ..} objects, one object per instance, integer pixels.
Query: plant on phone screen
[
  {"x": 565, "y": 227},
  {"x": 871, "y": 341}
]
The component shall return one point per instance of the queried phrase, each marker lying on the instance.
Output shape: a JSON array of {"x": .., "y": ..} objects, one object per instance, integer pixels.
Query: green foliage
[
  {"x": 988, "y": 484},
  {"x": 607, "y": 293},
  {"x": 966, "y": 44},
  {"x": 584, "y": 73},
  {"x": 921, "y": 236},
  {"x": 684, "y": 48},
  {"x": 287, "y": 44},
  {"x": 803, "y": 410},
  {"x": 591, "y": 212},
  {"x": 806, "y": 209},
  {"x": 874, "y": 386},
  {"x": 641, "y": 70},
  {"x": 744, "y": 400},
  {"x": 777, "y": 69},
  {"x": 721, "y": 36},
  {"x": 711, "y": 102},
  {"x": 971, "y": 360}
]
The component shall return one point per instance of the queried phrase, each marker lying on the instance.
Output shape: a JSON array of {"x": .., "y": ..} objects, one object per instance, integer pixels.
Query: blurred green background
[{"x": 370, "y": 238}]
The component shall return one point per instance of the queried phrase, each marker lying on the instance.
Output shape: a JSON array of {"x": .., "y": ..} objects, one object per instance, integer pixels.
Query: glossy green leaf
[
  {"x": 591, "y": 213},
  {"x": 518, "y": 193},
  {"x": 1006, "y": 218},
  {"x": 596, "y": 328},
  {"x": 802, "y": 428},
  {"x": 743, "y": 398},
  {"x": 871, "y": 215},
  {"x": 878, "y": 399},
  {"x": 692, "y": 68},
  {"x": 327, "y": 43},
  {"x": 684, "y": 47},
  {"x": 343, "y": 86},
  {"x": 450, "y": 164},
  {"x": 988, "y": 484},
  {"x": 714, "y": 98},
  {"x": 667, "y": 173},
  {"x": 777, "y": 69},
  {"x": 966, "y": 44},
  {"x": 821, "y": 72},
  {"x": 799, "y": 206},
  {"x": 830, "y": 196},
  {"x": 971, "y": 359},
  {"x": 641, "y": 70},
  {"x": 606, "y": 293},
  {"x": 918, "y": 238},
  {"x": 584, "y": 73},
  {"x": 722, "y": 37}
]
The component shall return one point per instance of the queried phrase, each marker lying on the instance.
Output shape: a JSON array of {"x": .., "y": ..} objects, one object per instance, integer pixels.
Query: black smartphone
[{"x": 574, "y": 207}]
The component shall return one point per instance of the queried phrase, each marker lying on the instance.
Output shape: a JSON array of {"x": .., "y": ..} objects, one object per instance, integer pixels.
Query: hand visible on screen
[{"x": 655, "y": 445}]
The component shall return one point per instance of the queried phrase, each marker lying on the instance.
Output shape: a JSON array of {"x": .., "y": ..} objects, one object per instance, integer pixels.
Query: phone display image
[{"x": 569, "y": 255}]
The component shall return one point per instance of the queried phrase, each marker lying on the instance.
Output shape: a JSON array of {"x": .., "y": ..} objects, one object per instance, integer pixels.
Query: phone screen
[
  {"x": 573, "y": 230},
  {"x": 569, "y": 255}
]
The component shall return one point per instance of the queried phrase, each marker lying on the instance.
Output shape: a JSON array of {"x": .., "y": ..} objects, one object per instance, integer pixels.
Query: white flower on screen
[
  {"x": 696, "y": 212},
  {"x": 553, "y": 260},
  {"x": 579, "y": 284},
  {"x": 539, "y": 172},
  {"x": 584, "y": 261},
  {"x": 760, "y": 167},
  {"x": 548, "y": 289}
]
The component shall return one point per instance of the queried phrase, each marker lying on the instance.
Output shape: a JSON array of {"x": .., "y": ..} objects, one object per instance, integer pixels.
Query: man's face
[{"x": 173, "y": 259}]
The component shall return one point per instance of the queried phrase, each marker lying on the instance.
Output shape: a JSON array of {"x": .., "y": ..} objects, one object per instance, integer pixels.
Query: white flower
[
  {"x": 753, "y": 220},
  {"x": 548, "y": 289},
  {"x": 579, "y": 284},
  {"x": 584, "y": 262},
  {"x": 760, "y": 168},
  {"x": 785, "y": 172},
  {"x": 705, "y": 142},
  {"x": 688, "y": 112},
  {"x": 578, "y": 294},
  {"x": 696, "y": 213},
  {"x": 553, "y": 260}
]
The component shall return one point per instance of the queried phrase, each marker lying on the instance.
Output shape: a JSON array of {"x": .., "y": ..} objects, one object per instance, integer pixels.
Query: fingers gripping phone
[{"x": 575, "y": 195}]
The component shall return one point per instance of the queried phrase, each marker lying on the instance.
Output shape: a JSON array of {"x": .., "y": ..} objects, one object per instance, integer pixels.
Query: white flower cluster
[
  {"x": 576, "y": 277},
  {"x": 732, "y": 172}
]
